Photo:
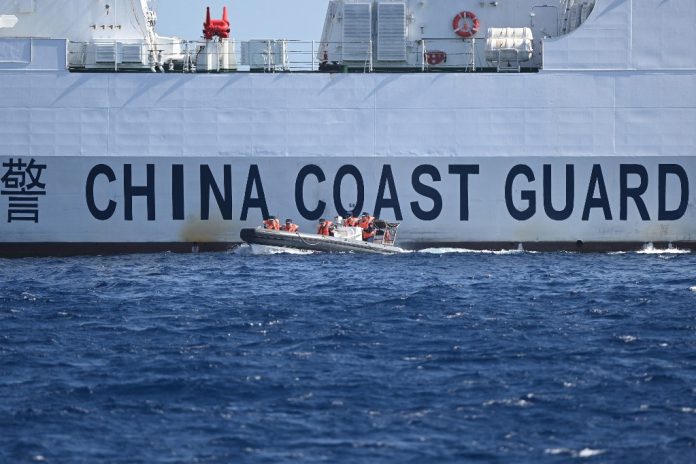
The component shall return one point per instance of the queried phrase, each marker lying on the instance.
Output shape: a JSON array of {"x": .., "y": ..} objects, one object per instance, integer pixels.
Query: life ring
[{"x": 466, "y": 24}]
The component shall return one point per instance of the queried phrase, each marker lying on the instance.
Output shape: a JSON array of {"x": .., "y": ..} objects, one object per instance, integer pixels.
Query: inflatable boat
[{"x": 343, "y": 240}]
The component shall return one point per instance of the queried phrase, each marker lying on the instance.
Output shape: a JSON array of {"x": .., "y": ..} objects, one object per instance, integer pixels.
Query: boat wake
[
  {"x": 649, "y": 249},
  {"x": 442, "y": 251},
  {"x": 265, "y": 250}
]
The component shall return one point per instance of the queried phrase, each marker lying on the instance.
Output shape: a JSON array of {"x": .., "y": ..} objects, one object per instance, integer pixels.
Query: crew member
[
  {"x": 289, "y": 226},
  {"x": 325, "y": 227},
  {"x": 365, "y": 221},
  {"x": 368, "y": 233},
  {"x": 272, "y": 223},
  {"x": 350, "y": 220}
]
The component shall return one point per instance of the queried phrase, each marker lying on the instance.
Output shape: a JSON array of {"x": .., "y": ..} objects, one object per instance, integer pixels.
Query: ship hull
[
  {"x": 106, "y": 205},
  {"x": 133, "y": 162}
]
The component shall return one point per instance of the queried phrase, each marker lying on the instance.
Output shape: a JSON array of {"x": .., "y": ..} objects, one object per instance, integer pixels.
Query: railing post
[
  {"x": 473, "y": 54},
  {"x": 217, "y": 55},
  {"x": 312, "y": 65},
  {"x": 268, "y": 55},
  {"x": 115, "y": 42}
]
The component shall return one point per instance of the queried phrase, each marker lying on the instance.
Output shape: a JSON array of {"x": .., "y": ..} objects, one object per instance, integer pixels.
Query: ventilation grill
[
  {"x": 132, "y": 53},
  {"x": 357, "y": 31},
  {"x": 391, "y": 32},
  {"x": 105, "y": 53}
]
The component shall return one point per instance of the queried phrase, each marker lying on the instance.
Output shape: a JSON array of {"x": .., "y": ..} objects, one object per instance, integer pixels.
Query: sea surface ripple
[{"x": 426, "y": 357}]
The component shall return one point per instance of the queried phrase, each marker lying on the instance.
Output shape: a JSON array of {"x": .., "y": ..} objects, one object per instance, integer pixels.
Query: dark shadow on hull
[
  {"x": 57, "y": 249},
  {"x": 26, "y": 250}
]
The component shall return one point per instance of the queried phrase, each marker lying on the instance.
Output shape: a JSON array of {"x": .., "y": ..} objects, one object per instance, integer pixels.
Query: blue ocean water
[{"x": 427, "y": 357}]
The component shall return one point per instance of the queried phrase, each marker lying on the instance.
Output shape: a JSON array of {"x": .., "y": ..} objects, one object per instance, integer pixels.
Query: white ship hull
[
  {"x": 477, "y": 202},
  {"x": 568, "y": 159}
]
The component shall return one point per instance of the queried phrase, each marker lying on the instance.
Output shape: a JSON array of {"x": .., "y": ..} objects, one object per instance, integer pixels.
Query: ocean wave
[
  {"x": 649, "y": 249},
  {"x": 583, "y": 453},
  {"x": 445, "y": 250},
  {"x": 264, "y": 250},
  {"x": 186, "y": 345}
]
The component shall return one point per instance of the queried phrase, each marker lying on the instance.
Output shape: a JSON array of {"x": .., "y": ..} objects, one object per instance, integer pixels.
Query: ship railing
[
  {"x": 279, "y": 55},
  {"x": 121, "y": 55},
  {"x": 461, "y": 54}
]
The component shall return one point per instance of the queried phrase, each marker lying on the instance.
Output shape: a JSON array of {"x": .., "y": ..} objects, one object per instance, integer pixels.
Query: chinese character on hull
[{"x": 22, "y": 184}]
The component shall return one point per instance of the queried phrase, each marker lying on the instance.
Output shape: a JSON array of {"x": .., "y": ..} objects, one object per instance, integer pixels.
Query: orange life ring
[{"x": 462, "y": 27}]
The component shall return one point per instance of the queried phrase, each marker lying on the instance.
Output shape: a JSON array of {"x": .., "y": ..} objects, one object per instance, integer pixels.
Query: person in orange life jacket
[
  {"x": 325, "y": 227},
  {"x": 272, "y": 223},
  {"x": 369, "y": 232},
  {"x": 350, "y": 220},
  {"x": 289, "y": 226},
  {"x": 365, "y": 221}
]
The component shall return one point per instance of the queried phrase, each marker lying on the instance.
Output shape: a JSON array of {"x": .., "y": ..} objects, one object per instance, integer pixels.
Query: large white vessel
[{"x": 554, "y": 124}]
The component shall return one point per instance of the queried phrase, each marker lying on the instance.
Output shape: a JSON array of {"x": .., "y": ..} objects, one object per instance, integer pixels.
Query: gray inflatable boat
[{"x": 344, "y": 239}]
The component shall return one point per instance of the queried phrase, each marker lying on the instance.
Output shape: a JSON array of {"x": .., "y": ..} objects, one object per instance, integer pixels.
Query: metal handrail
[{"x": 289, "y": 55}]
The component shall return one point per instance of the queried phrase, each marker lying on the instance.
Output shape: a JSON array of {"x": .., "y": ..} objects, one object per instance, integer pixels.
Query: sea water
[{"x": 436, "y": 356}]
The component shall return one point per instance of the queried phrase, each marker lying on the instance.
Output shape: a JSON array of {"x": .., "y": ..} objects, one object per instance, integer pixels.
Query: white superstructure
[{"x": 554, "y": 124}]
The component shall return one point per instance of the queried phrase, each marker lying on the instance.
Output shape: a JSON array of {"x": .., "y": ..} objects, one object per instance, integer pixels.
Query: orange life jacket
[
  {"x": 365, "y": 221},
  {"x": 350, "y": 222},
  {"x": 324, "y": 229},
  {"x": 271, "y": 224},
  {"x": 290, "y": 228},
  {"x": 367, "y": 234}
]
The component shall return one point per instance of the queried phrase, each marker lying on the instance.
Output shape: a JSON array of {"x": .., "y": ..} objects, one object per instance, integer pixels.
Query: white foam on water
[
  {"x": 583, "y": 453},
  {"x": 649, "y": 249},
  {"x": 524, "y": 402},
  {"x": 628, "y": 338},
  {"x": 693, "y": 289},
  {"x": 262, "y": 250},
  {"x": 557, "y": 451},
  {"x": 442, "y": 251},
  {"x": 589, "y": 452}
]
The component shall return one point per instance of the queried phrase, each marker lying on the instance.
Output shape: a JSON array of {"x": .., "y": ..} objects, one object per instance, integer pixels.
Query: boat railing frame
[{"x": 385, "y": 232}]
